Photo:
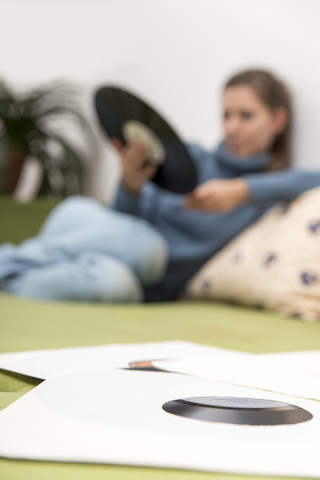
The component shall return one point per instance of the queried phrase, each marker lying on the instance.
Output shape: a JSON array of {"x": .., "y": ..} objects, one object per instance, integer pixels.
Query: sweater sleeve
[
  {"x": 143, "y": 205},
  {"x": 279, "y": 186},
  {"x": 126, "y": 202}
]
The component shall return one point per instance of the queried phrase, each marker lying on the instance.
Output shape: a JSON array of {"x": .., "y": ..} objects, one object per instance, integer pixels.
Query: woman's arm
[
  {"x": 258, "y": 188},
  {"x": 278, "y": 186},
  {"x": 126, "y": 202},
  {"x": 143, "y": 200},
  {"x": 219, "y": 195},
  {"x": 135, "y": 173},
  {"x": 143, "y": 204}
]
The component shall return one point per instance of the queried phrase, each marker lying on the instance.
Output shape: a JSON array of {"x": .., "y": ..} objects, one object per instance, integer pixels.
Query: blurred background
[{"x": 175, "y": 54}]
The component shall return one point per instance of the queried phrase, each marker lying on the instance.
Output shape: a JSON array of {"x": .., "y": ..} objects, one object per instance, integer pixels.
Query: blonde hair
[{"x": 274, "y": 94}]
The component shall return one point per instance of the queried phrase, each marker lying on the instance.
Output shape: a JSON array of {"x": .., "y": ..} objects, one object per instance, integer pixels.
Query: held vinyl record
[
  {"x": 126, "y": 117},
  {"x": 238, "y": 410}
]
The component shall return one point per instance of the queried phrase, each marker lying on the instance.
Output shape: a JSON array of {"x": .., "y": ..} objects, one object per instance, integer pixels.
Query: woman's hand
[
  {"x": 219, "y": 195},
  {"x": 135, "y": 167}
]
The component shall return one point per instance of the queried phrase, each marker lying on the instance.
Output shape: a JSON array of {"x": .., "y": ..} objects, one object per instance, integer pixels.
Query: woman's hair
[{"x": 274, "y": 94}]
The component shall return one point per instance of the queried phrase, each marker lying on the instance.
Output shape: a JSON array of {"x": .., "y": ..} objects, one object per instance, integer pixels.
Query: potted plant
[{"x": 27, "y": 129}]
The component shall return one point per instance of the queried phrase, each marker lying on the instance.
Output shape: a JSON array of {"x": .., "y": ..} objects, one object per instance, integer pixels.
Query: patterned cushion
[{"x": 274, "y": 264}]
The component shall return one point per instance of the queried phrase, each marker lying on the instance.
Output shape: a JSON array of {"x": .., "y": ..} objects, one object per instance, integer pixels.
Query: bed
[{"x": 30, "y": 325}]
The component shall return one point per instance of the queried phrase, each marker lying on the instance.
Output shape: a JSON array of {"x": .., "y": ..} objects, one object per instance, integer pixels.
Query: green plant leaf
[{"x": 26, "y": 121}]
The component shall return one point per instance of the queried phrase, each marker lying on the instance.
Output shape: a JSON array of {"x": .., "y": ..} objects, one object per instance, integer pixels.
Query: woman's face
[{"x": 250, "y": 127}]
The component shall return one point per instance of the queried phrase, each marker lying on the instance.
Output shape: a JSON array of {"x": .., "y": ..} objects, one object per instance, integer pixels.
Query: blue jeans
[{"x": 85, "y": 252}]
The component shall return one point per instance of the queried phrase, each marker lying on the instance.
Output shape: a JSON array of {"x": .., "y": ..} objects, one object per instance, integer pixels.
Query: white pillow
[{"x": 274, "y": 264}]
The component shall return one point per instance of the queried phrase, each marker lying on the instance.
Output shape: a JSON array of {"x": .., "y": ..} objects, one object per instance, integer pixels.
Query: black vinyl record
[
  {"x": 238, "y": 410},
  {"x": 124, "y": 116}
]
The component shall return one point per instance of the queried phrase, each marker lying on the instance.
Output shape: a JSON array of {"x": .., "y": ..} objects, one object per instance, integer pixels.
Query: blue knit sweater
[{"x": 194, "y": 237}]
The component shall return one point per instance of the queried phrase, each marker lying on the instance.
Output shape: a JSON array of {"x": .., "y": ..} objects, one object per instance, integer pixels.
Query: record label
[{"x": 134, "y": 131}]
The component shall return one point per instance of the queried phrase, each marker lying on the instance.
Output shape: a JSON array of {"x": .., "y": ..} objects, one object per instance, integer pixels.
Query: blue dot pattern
[
  {"x": 284, "y": 208},
  {"x": 270, "y": 260},
  {"x": 308, "y": 278},
  {"x": 237, "y": 258},
  {"x": 315, "y": 227},
  {"x": 205, "y": 284}
]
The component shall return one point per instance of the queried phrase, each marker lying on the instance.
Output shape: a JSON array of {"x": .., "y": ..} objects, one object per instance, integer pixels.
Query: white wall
[{"x": 176, "y": 53}]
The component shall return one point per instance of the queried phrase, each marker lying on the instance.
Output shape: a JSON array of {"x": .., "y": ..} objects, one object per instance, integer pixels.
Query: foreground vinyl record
[
  {"x": 116, "y": 416},
  {"x": 238, "y": 410},
  {"x": 126, "y": 117}
]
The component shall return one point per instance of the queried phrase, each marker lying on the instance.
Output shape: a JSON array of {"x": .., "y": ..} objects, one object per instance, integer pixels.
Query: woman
[{"x": 152, "y": 241}]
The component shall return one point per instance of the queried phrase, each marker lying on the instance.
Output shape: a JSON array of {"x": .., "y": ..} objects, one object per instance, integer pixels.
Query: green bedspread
[{"x": 28, "y": 325}]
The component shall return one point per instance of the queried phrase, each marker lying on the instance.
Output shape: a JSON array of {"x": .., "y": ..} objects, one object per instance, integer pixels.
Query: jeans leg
[
  {"x": 88, "y": 278},
  {"x": 71, "y": 214},
  {"x": 96, "y": 229}
]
